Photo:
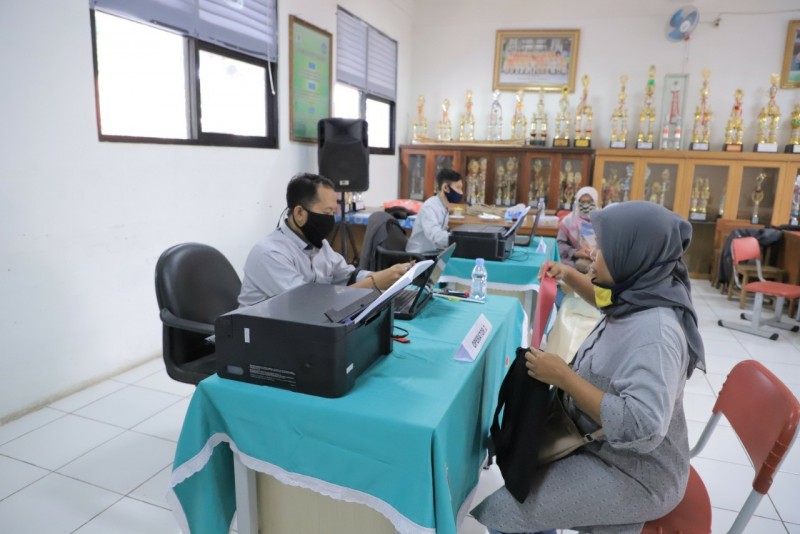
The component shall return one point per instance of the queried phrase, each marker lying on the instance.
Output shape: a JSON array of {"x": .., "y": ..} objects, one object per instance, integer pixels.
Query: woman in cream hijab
[{"x": 576, "y": 238}]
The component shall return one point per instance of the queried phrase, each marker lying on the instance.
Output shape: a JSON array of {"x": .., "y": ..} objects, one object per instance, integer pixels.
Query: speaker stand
[{"x": 342, "y": 227}]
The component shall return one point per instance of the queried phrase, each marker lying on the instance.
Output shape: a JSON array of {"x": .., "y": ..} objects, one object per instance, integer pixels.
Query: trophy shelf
[
  {"x": 508, "y": 173},
  {"x": 701, "y": 187}
]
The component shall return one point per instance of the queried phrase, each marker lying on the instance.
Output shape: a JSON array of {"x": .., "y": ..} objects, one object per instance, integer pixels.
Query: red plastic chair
[
  {"x": 747, "y": 248},
  {"x": 544, "y": 306},
  {"x": 764, "y": 414}
]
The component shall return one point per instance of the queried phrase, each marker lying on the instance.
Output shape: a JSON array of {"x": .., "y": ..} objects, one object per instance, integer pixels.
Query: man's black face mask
[{"x": 318, "y": 226}]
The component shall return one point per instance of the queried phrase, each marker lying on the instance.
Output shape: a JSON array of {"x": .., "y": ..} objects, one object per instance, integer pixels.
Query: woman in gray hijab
[{"x": 628, "y": 377}]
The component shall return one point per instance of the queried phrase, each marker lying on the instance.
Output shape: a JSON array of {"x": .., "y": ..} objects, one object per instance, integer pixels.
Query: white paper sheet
[{"x": 415, "y": 270}]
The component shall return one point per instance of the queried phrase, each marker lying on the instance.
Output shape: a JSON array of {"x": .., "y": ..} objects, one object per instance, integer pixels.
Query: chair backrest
[
  {"x": 544, "y": 305},
  {"x": 744, "y": 249},
  {"x": 562, "y": 213},
  {"x": 764, "y": 414},
  {"x": 196, "y": 283},
  {"x": 724, "y": 227}
]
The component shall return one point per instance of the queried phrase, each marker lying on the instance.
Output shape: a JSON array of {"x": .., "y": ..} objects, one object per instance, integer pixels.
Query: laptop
[
  {"x": 410, "y": 301},
  {"x": 525, "y": 240}
]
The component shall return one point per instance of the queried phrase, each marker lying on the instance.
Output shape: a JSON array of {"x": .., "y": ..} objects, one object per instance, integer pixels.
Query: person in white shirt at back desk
[{"x": 430, "y": 231}]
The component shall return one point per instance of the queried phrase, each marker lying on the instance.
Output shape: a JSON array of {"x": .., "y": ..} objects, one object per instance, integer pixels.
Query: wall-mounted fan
[{"x": 682, "y": 23}]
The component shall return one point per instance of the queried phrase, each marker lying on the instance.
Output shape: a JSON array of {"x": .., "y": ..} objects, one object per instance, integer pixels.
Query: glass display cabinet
[
  {"x": 703, "y": 187},
  {"x": 498, "y": 174}
]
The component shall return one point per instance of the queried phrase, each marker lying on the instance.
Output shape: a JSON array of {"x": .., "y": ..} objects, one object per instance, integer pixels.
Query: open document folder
[{"x": 415, "y": 270}]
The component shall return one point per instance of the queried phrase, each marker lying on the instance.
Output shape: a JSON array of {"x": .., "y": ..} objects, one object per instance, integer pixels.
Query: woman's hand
[
  {"x": 554, "y": 269},
  {"x": 546, "y": 367}
]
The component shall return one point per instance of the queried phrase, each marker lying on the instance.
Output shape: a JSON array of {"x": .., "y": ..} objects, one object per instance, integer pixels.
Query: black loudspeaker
[{"x": 343, "y": 153}]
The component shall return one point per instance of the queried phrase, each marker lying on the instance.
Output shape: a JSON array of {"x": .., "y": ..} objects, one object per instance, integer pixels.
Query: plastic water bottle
[
  {"x": 540, "y": 206},
  {"x": 479, "y": 279}
]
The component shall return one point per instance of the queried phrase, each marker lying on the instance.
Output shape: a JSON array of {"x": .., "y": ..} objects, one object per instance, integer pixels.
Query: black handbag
[{"x": 534, "y": 429}]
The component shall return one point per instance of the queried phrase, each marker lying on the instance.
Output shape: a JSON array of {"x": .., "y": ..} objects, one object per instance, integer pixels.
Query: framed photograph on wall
[
  {"x": 790, "y": 74},
  {"x": 534, "y": 59},
  {"x": 309, "y": 79}
]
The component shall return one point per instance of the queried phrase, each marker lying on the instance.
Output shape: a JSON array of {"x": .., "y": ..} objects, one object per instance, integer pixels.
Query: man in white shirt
[
  {"x": 297, "y": 252},
  {"x": 430, "y": 228}
]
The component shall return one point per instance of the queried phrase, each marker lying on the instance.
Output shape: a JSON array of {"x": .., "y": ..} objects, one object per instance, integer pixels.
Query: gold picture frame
[
  {"x": 535, "y": 59},
  {"x": 790, "y": 74},
  {"x": 310, "y": 75}
]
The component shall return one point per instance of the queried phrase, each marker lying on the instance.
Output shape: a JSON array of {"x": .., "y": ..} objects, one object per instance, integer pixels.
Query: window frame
[
  {"x": 364, "y": 92},
  {"x": 192, "y": 48},
  {"x": 390, "y": 150}
]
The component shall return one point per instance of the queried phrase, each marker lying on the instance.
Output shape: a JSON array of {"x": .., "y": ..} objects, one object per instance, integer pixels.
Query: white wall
[
  {"x": 454, "y": 43},
  {"x": 82, "y": 223}
]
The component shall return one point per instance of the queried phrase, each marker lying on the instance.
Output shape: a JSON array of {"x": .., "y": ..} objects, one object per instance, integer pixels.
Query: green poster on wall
[{"x": 309, "y": 78}]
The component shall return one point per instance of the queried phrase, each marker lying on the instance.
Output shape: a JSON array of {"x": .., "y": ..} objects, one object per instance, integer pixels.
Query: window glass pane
[
  {"x": 379, "y": 120},
  {"x": 232, "y": 96},
  {"x": 346, "y": 102},
  {"x": 140, "y": 79}
]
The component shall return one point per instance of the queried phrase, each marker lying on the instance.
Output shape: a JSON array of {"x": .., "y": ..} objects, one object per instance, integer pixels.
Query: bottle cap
[{"x": 478, "y": 261}]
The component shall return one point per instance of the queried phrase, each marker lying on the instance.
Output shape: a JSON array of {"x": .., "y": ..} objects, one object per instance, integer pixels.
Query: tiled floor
[{"x": 99, "y": 460}]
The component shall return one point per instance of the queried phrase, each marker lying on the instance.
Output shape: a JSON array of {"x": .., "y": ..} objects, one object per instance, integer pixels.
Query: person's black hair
[
  {"x": 447, "y": 176},
  {"x": 303, "y": 189}
]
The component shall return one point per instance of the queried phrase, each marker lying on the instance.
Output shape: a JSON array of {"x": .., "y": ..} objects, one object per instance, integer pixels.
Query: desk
[
  {"x": 407, "y": 441},
  {"x": 518, "y": 274}
]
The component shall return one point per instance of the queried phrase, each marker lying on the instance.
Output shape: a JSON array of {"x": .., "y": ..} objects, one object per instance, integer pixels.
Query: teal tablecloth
[
  {"x": 408, "y": 440},
  {"x": 517, "y": 273}
]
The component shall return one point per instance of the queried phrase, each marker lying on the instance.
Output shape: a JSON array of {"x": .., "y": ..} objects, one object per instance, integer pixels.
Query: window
[
  {"x": 167, "y": 86},
  {"x": 366, "y": 79}
]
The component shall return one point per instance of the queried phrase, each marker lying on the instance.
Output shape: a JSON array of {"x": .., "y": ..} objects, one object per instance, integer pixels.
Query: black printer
[
  {"x": 487, "y": 241},
  {"x": 304, "y": 339}
]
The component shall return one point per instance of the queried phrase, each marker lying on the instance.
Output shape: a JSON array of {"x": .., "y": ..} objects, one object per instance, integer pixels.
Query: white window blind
[
  {"x": 248, "y": 26},
  {"x": 365, "y": 57}
]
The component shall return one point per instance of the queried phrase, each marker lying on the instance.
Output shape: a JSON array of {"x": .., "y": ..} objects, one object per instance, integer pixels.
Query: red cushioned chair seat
[{"x": 775, "y": 289}]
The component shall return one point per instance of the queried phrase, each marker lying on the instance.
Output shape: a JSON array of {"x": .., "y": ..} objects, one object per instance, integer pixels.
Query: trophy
[
  {"x": 648, "y": 115},
  {"x": 500, "y": 182},
  {"x": 445, "y": 131},
  {"x": 583, "y": 118},
  {"x": 466, "y": 130},
  {"x": 734, "y": 129},
  {"x": 757, "y": 196},
  {"x": 694, "y": 198},
  {"x": 471, "y": 179},
  {"x": 626, "y": 185},
  {"x": 518, "y": 122},
  {"x": 795, "y": 214},
  {"x": 480, "y": 195},
  {"x": 510, "y": 192},
  {"x": 569, "y": 185},
  {"x": 721, "y": 210},
  {"x": 495, "y": 132},
  {"x": 794, "y": 141},
  {"x": 702, "y": 118},
  {"x": 561, "y": 136},
  {"x": 665, "y": 182},
  {"x": 671, "y": 131},
  {"x": 611, "y": 188},
  {"x": 537, "y": 187},
  {"x": 619, "y": 120},
  {"x": 420, "y": 123},
  {"x": 539, "y": 123},
  {"x": 768, "y": 120},
  {"x": 701, "y": 192}
]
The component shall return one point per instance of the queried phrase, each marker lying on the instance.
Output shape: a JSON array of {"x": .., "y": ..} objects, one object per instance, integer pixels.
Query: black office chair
[
  {"x": 384, "y": 243},
  {"x": 195, "y": 284}
]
